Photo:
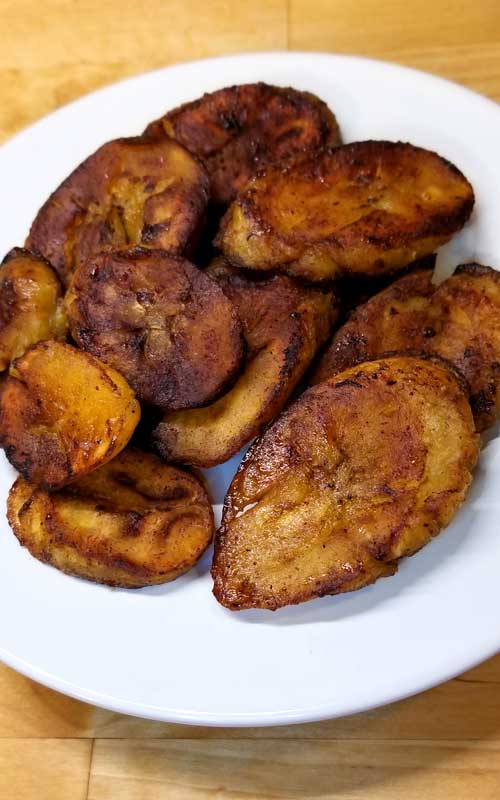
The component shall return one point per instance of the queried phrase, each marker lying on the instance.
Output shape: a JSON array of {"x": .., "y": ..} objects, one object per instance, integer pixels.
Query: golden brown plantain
[
  {"x": 458, "y": 320},
  {"x": 63, "y": 413},
  {"x": 133, "y": 522},
  {"x": 354, "y": 290},
  {"x": 284, "y": 325},
  {"x": 360, "y": 471},
  {"x": 367, "y": 208},
  {"x": 133, "y": 191},
  {"x": 237, "y": 130},
  {"x": 165, "y": 325},
  {"x": 30, "y": 304}
]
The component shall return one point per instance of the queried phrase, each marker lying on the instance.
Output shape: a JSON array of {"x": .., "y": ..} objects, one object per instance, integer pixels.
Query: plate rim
[{"x": 233, "y": 720}]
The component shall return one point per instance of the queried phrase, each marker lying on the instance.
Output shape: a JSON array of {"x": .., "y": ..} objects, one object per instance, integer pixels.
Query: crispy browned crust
[
  {"x": 458, "y": 320},
  {"x": 165, "y": 325},
  {"x": 284, "y": 324},
  {"x": 377, "y": 326},
  {"x": 30, "y": 304},
  {"x": 134, "y": 522},
  {"x": 240, "y": 129},
  {"x": 135, "y": 191},
  {"x": 63, "y": 413},
  {"x": 354, "y": 290},
  {"x": 366, "y": 208},
  {"x": 362, "y": 470}
]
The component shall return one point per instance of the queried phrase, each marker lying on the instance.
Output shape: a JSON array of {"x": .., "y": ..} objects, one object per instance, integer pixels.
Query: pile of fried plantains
[{"x": 237, "y": 273}]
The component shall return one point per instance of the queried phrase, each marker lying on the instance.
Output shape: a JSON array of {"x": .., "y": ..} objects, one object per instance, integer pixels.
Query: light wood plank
[
  {"x": 460, "y": 41},
  {"x": 55, "y": 51},
  {"x": 160, "y": 770},
  {"x": 466, "y": 708},
  {"x": 48, "y": 769},
  {"x": 28, "y": 709}
]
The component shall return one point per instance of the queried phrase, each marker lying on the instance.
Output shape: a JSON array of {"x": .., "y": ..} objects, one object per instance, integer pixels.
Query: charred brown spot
[
  {"x": 150, "y": 233},
  {"x": 132, "y": 526},
  {"x": 350, "y": 382},
  {"x": 483, "y": 401}
]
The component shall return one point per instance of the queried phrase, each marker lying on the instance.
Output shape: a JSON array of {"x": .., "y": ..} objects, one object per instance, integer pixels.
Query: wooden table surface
[{"x": 442, "y": 744}]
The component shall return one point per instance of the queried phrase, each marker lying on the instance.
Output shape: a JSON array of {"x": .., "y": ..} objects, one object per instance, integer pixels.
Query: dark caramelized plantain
[
  {"x": 165, "y": 325},
  {"x": 134, "y": 522},
  {"x": 30, "y": 304},
  {"x": 360, "y": 471},
  {"x": 133, "y": 191},
  {"x": 63, "y": 413},
  {"x": 284, "y": 323},
  {"x": 458, "y": 320},
  {"x": 367, "y": 208},
  {"x": 237, "y": 130},
  {"x": 354, "y": 290}
]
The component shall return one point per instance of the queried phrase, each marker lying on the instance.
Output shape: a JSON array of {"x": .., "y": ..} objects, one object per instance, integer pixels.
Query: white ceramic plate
[{"x": 171, "y": 652}]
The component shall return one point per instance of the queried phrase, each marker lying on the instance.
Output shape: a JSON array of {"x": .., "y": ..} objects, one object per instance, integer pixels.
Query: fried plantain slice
[
  {"x": 63, "y": 413},
  {"x": 284, "y": 323},
  {"x": 458, "y": 320},
  {"x": 237, "y": 130},
  {"x": 164, "y": 324},
  {"x": 133, "y": 191},
  {"x": 362, "y": 470},
  {"x": 30, "y": 304},
  {"x": 367, "y": 208},
  {"x": 354, "y": 290},
  {"x": 133, "y": 522}
]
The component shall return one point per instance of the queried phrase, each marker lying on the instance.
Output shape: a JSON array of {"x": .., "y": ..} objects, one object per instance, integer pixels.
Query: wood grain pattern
[
  {"x": 157, "y": 770},
  {"x": 460, "y": 41},
  {"x": 443, "y": 744},
  {"x": 57, "y": 51},
  {"x": 45, "y": 769}
]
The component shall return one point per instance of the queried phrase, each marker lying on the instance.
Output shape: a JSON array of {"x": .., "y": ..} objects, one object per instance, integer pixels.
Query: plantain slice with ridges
[
  {"x": 63, "y": 413},
  {"x": 134, "y": 191},
  {"x": 362, "y": 470},
  {"x": 164, "y": 324},
  {"x": 284, "y": 324},
  {"x": 31, "y": 306},
  {"x": 237, "y": 130},
  {"x": 366, "y": 208},
  {"x": 133, "y": 522},
  {"x": 458, "y": 320}
]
